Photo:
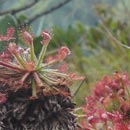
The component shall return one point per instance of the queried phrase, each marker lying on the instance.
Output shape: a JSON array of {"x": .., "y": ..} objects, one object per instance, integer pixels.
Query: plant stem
[
  {"x": 19, "y": 60},
  {"x": 55, "y": 73},
  {"x": 47, "y": 64},
  {"x": 32, "y": 53},
  {"x": 80, "y": 116},
  {"x": 46, "y": 79},
  {"x": 10, "y": 66},
  {"x": 37, "y": 79},
  {"x": 34, "y": 91},
  {"x": 105, "y": 126},
  {"x": 41, "y": 56},
  {"x": 77, "y": 109},
  {"x": 24, "y": 77}
]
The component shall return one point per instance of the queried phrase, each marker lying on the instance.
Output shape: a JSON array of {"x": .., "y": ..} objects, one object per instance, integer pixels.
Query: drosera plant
[
  {"x": 33, "y": 94},
  {"x": 108, "y": 108},
  {"x": 26, "y": 63}
]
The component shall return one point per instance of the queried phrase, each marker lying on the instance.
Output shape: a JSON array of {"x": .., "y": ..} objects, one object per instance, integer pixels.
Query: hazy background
[{"x": 75, "y": 11}]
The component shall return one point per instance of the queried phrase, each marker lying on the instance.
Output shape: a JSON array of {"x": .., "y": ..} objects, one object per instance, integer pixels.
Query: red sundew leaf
[
  {"x": 75, "y": 77},
  {"x": 13, "y": 48},
  {"x": 103, "y": 115},
  {"x": 7, "y": 65},
  {"x": 125, "y": 106},
  {"x": 111, "y": 92},
  {"x": 27, "y": 37},
  {"x": 6, "y": 56},
  {"x": 121, "y": 92},
  {"x": 85, "y": 126},
  {"x": 115, "y": 117},
  {"x": 125, "y": 79},
  {"x": 5, "y": 38},
  {"x": 120, "y": 126},
  {"x": 107, "y": 79},
  {"x": 65, "y": 50},
  {"x": 90, "y": 103},
  {"x": 101, "y": 89},
  {"x": 121, "y": 78},
  {"x": 49, "y": 59},
  {"x": 109, "y": 128},
  {"x": 9, "y": 35},
  {"x": 107, "y": 101},
  {"x": 10, "y": 32},
  {"x": 114, "y": 85},
  {"x": 63, "y": 68},
  {"x": 46, "y": 37},
  {"x": 93, "y": 120},
  {"x": 63, "y": 53}
]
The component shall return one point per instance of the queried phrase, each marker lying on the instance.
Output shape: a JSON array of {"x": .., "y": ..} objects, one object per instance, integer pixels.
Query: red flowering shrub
[{"x": 108, "y": 108}]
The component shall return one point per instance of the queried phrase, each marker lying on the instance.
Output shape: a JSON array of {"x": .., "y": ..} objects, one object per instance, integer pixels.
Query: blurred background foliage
[{"x": 94, "y": 30}]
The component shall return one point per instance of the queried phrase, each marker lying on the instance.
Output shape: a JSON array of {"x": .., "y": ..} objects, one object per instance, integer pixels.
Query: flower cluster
[
  {"x": 108, "y": 108},
  {"x": 23, "y": 68}
]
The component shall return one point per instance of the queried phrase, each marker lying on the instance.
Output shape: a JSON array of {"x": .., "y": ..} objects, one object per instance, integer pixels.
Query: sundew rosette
[
  {"x": 108, "y": 106},
  {"x": 33, "y": 94}
]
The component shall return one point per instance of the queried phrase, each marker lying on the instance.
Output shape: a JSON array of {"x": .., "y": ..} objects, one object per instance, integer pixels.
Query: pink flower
[
  {"x": 27, "y": 37},
  {"x": 46, "y": 37}
]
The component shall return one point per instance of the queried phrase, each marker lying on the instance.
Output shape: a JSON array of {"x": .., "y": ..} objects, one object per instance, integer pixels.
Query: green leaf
[
  {"x": 22, "y": 19},
  {"x": 6, "y": 22}
]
